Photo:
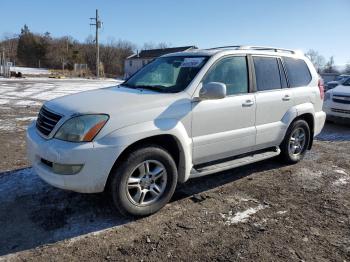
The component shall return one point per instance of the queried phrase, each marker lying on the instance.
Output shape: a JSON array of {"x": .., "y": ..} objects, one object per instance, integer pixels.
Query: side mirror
[{"x": 212, "y": 90}]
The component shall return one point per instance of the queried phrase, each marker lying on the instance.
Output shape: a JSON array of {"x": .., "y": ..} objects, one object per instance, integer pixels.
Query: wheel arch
[
  {"x": 310, "y": 120},
  {"x": 167, "y": 141}
]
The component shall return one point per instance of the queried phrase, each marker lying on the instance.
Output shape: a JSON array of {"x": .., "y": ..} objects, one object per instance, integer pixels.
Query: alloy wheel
[
  {"x": 297, "y": 141},
  {"x": 146, "y": 183}
]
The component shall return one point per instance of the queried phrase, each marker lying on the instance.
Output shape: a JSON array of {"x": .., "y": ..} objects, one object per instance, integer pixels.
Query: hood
[
  {"x": 341, "y": 90},
  {"x": 125, "y": 106},
  {"x": 332, "y": 82}
]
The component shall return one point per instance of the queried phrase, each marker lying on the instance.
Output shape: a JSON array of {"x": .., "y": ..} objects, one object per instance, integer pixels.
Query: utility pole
[{"x": 97, "y": 24}]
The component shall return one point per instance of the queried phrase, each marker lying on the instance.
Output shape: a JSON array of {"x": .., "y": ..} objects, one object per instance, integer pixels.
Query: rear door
[{"x": 273, "y": 100}]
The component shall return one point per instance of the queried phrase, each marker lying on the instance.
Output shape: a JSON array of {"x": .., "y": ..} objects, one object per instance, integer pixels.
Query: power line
[{"x": 97, "y": 25}]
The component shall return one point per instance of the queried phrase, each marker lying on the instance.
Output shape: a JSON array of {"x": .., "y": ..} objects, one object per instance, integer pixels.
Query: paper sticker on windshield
[{"x": 192, "y": 61}]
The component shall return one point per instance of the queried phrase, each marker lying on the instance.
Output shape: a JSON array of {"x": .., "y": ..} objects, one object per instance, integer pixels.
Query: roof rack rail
[
  {"x": 261, "y": 48},
  {"x": 226, "y": 47}
]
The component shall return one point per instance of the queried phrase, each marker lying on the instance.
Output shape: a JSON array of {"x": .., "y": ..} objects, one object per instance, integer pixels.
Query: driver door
[{"x": 225, "y": 127}]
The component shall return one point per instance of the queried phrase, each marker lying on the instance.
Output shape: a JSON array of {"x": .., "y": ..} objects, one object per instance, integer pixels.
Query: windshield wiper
[
  {"x": 153, "y": 88},
  {"x": 127, "y": 85}
]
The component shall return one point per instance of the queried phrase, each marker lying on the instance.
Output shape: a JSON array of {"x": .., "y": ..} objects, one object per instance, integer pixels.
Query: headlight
[
  {"x": 81, "y": 128},
  {"x": 327, "y": 96}
]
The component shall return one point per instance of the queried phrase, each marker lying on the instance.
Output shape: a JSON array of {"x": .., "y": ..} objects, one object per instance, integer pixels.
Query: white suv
[{"x": 184, "y": 115}]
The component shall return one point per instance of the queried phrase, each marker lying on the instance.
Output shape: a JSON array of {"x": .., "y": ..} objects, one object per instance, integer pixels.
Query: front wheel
[
  {"x": 296, "y": 142},
  {"x": 144, "y": 182}
]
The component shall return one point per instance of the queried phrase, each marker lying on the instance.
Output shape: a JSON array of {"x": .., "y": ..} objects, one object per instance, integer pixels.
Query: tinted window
[
  {"x": 347, "y": 82},
  {"x": 282, "y": 74},
  {"x": 267, "y": 73},
  {"x": 298, "y": 72},
  {"x": 231, "y": 71}
]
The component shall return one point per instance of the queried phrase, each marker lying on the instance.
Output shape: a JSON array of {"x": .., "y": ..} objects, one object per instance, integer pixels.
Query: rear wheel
[
  {"x": 144, "y": 182},
  {"x": 296, "y": 142}
]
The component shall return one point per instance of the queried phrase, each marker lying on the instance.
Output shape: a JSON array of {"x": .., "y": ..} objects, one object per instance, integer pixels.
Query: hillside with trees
[{"x": 43, "y": 50}]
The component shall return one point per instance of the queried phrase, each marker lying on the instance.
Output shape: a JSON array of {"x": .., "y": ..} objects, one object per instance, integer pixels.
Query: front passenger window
[{"x": 231, "y": 71}]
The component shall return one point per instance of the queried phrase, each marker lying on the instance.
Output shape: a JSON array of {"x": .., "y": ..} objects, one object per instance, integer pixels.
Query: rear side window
[
  {"x": 267, "y": 73},
  {"x": 298, "y": 72}
]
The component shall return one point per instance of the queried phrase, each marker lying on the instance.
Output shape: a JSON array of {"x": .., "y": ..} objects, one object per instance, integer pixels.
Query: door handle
[
  {"x": 286, "y": 98},
  {"x": 248, "y": 103}
]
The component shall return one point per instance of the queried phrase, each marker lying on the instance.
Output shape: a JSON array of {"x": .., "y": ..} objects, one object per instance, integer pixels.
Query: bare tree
[
  {"x": 329, "y": 67},
  {"x": 60, "y": 51},
  {"x": 317, "y": 59},
  {"x": 9, "y": 44},
  {"x": 347, "y": 68},
  {"x": 113, "y": 55},
  {"x": 31, "y": 49},
  {"x": 151, "y": 45}
]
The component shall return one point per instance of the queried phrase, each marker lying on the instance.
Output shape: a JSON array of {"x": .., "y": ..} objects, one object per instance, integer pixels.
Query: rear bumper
[{"x": 97, "y": 161}]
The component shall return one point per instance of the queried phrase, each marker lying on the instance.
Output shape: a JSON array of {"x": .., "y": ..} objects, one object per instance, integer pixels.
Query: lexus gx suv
[{"x": 184, "y": 115}]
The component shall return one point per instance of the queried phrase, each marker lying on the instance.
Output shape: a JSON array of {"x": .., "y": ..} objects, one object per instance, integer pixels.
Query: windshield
[
  {"x": 347, "y": 82},
  {"x": 341, "y": 77},
  {"x": 167, "y": 74}
]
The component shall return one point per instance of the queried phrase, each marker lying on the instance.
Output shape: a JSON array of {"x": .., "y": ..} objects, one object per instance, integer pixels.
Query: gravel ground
[{"x": 262, "y": 212}]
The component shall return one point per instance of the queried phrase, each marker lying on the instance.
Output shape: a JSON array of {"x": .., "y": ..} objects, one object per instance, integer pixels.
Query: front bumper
[
  {"x": 97, "y": 159},
  {"x": 336, "y": 111}
]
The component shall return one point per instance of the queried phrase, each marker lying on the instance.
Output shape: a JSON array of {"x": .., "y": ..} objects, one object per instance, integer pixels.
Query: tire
[
  {"x": 144, "y": 182},
  {"x": 293, "y": 147}
]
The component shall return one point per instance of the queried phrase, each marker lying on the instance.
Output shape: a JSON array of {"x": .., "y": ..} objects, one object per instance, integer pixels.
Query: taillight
[{"x": 321, "y": 87}]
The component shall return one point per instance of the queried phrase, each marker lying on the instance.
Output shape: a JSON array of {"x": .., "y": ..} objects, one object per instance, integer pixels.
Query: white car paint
[
  {"x": 337, "y": 103},
  {"x": 204, "y": 130}
]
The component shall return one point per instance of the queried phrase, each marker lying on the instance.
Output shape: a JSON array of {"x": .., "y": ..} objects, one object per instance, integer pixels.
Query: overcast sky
[{"x": 322, "y": 25}]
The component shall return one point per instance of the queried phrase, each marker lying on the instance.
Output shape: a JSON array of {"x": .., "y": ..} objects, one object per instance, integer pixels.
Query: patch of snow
[
  {"x": 282, "y": 212},
  {"x": 27, "y": 118},
  {"x": 341, "y": 181},
  {"x": 28, "y": 103},
  {"x": 10, "y": 182},
  {"x": 30, "y": 71},
  {"x": 241, "y": 217},
  {"x": 248, "y": 199},
  {"x": 48, "y": 213},
  {"x": 4, "y": 101},
  {"x": 35, "y": 91},
  {"x": 6, "y": 125},
  {"x": 342, "y": 172}
]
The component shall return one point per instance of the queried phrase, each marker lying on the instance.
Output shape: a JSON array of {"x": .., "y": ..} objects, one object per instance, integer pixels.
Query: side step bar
[{"x": 207, "y": 170}]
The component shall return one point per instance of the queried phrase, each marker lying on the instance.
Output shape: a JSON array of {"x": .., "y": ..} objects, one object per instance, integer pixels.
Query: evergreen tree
[{"x": 31, "y": 48}]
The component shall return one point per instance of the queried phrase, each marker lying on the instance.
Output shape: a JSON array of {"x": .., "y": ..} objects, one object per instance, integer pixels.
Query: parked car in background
[
  {"x": 183, "y": 115},
  {"x": 339, "y": 80},
  {"x": 342, "y": 77},
  {"x": 337, "y": 102}
]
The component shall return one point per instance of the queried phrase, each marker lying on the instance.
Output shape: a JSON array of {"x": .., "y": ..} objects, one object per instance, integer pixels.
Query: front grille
[
  {"x": 341, "y": 99},
  {"x": 46, "y": 121},
  {"x": 46, "y": 162},
  {"x": 341, "y": 111}
]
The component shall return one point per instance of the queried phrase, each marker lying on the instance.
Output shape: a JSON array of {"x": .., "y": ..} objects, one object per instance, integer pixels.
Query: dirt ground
[{"x": 262, "y": 212}]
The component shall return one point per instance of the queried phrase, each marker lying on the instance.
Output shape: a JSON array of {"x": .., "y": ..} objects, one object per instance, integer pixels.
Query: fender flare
[{"x": 129, "y": 135}]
